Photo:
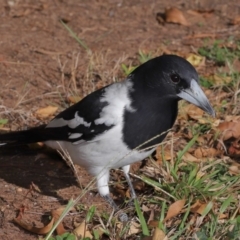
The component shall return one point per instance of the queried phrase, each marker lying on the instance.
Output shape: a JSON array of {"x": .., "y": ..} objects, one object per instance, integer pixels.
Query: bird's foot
[
  {"x": 123, "y": 217},
  {"x": 131, "y": 202}
]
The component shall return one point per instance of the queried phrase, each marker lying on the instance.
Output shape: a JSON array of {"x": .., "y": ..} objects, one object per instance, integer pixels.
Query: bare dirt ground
[{"x": 41, "y": 65}]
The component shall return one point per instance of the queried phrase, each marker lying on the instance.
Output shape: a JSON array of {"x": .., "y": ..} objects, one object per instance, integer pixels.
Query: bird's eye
[{"x": 175, "y": 78}]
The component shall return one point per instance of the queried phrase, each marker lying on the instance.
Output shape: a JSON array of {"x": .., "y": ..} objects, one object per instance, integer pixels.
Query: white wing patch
[
  {"x": 117, "y": 97},
  {"x": 73, "y": 123},
  {"x": 76, "y": 121},
  {"x": 75, "y": 135}
]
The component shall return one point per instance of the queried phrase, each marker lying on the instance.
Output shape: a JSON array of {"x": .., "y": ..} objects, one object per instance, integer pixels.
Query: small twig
[{"x": 65, "y": 155}]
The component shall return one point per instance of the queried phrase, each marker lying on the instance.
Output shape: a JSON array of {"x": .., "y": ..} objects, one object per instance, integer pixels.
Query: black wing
[{"x": 77, "y": 122}]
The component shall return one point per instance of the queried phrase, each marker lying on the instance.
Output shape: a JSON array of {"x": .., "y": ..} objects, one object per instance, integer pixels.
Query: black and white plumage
[{"x": 105, "y": 129}]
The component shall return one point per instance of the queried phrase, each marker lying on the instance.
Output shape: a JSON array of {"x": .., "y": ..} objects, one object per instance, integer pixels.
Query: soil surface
[{"x": 41, "y": 65}]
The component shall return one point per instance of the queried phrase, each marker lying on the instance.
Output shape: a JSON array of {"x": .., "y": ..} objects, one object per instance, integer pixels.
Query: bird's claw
[
  {"x": 123, "y": 217},
  {"x": 131, "y": 203}
]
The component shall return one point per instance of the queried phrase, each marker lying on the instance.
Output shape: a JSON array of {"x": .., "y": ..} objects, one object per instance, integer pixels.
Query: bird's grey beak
[{"x": 196, "y": 96}]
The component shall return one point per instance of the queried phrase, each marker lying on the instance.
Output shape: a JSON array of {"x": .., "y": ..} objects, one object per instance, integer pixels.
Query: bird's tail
[{"x": 38, "y": 134}]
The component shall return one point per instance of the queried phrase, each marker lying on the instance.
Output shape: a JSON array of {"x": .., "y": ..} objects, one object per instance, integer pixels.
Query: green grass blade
[
  {"x": 81, "y": 42},
  {"x": 141, "y": 218}
]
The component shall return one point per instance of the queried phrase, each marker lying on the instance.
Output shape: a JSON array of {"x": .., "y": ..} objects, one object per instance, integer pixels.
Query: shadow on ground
[{"x": 21, "y": 166}]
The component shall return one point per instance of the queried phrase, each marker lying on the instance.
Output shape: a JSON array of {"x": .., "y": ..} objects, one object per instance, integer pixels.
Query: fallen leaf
[
  {"x": 74, "y": 99},
  {"x": 43, "y": 230},
  {"x": 30, "y": 228},
  {"x": 234, "y": 148},
  {"x": 175, "y": 209},
  {"x": 145, "y": 208},
  {"x": 55, "y": 216},
  {"x": 138, "y": 185},
  {"x": 229, "y": 130},
  {"x": 46, "y": 112},
  {"x": 153, "y": 223},
  {"x": 232, "y": 118},
  {"x": 193, "y": 112},
  {"x": 158, "y": 234},
  {"x": 234, "y": 169},
  {"x": 133, "y": 228},
  {"x": 190, "y": 158},
  {"x": 196, "y": 60},
  {"x": 174, "y": 15},
  {"x": 223, "y": 216},
  {"x": 164, "y": 155},
  {"x": 235, "y": 21},
  {"x": 82, "y": 231},
  {"x": 205, "y": 152},
  {"x": 198, "y": 207}
]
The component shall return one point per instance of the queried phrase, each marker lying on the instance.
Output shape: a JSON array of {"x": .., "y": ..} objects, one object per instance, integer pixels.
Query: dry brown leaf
[
  {"x": 46, "y": 112},
  {"x": 217, "y": 98},
  {"x": 158, "y": 234},
  {"x": 234, "y": 148},
  {"x": 235, "y": 21},
  {"x": 73, "y": 99},
  {"x": 196, "y": 60},
  {"x": 153, "y": 223},
  {"x": 234, "y": 169},
  {"x": 134, "y": 228},
  {"x": 165, "y": 154},
  {"x": 145, "y": 208},
  {"x": 232, "y": 118},
  {"x": 229, "y": 130},
  {"x": 193, "y": 112},
  {"x": 223, "y": 216},
  {"x": 189, "y": 157},
  {"x": 198, "y": 207},
  {"x": 174, "y": 15},
  {"x": 43, "y": 230},
  {"x": 82, "y": 231},
  {"x": 139, "y": 185},
  {"x": 151, "y": 215},
  {"x": 55, "y": 215},
  {"x": 205, "y": 152},
  {"x": 30, "y": 228},
  {"x": 175, "y": 209}
]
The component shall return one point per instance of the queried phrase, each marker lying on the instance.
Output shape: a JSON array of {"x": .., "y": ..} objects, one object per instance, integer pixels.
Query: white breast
[{"x": 108, "y": 152}]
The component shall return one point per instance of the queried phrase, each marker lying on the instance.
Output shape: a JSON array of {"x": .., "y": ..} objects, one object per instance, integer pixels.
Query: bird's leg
[
  {"x": 126, "y": 171},
  {"x": 103, "y": 189},
  {"x": 109, "y": 199}
]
